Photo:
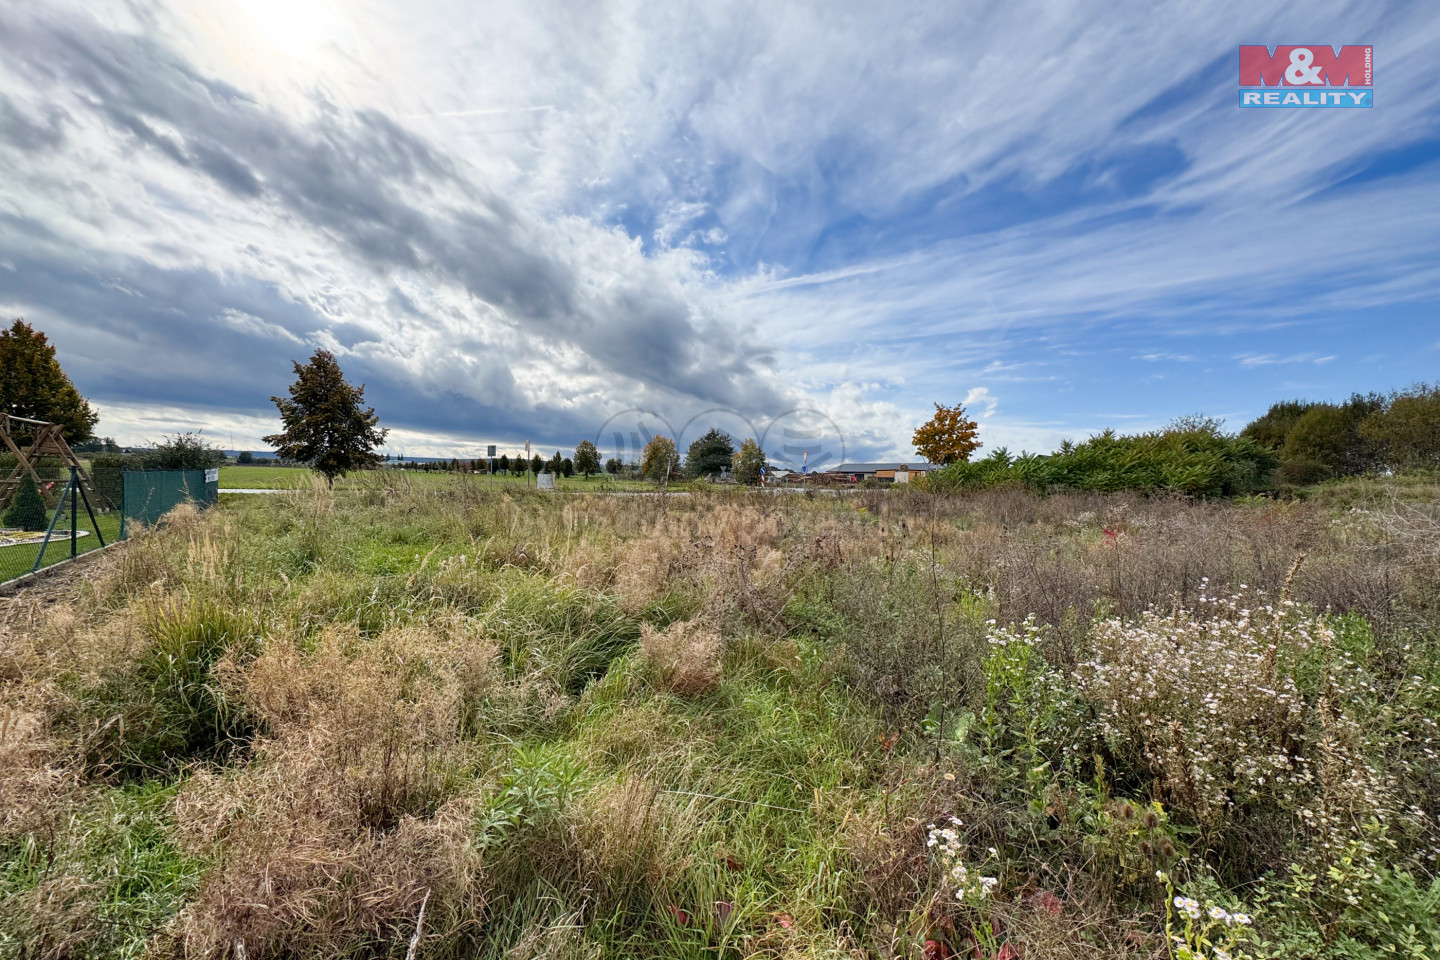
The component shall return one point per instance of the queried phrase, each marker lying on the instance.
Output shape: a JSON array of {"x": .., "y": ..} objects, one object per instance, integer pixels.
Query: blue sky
[{"x": 517, "y": 221}]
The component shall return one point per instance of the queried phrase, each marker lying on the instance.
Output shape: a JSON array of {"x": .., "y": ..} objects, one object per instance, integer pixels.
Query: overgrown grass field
[{"x": 426, "y": 719}]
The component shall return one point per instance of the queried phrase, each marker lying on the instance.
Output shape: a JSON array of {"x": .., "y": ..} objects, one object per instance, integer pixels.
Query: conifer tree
[
  {"x": 709, "y": 455},
  {"x": 27, "y": 511}
]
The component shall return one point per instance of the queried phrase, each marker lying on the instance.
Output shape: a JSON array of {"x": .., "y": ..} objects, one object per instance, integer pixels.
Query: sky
[{"x": 805, "y": 222}]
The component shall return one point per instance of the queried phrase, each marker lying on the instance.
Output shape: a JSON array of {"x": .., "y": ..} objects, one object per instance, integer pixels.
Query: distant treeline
[
  {"x": 1296, "y": 443},
  {"x": 558, "y": 464}
]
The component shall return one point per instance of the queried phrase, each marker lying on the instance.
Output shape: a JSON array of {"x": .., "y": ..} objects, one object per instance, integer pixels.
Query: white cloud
[
  {"x": 981, "y": 396},
  {"x": 1270, "y": 359},
  {"x": 251, "y": 324}
]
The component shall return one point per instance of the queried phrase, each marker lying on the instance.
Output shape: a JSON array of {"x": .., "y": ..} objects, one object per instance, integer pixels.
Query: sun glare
[
  {"x": 274, "y": 39},
  {"x": 295, "y": 28}
]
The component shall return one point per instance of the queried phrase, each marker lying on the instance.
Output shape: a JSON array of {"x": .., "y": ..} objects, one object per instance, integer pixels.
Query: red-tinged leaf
[
  {"x": 1006, "y": 952},
  {"x": 785, "y": 920},
  {"x": 732, "y": 863},
  {"x": 681, "y": 916},
  {"x": 1050, "y": 903},
  {"x": 935, "y": 950}
]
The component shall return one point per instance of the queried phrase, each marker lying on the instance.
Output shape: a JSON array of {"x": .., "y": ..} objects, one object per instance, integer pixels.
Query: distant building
[{"x": 894, "y": 472}]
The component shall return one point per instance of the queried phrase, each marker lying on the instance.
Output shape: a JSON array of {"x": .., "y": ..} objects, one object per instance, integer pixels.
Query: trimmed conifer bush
[{"x": 27, "y": 511}]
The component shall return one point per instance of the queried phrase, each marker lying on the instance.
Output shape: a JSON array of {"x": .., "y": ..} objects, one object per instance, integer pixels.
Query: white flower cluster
[
  {"x": 1191, "y": 908},
  {"x": 945, "y": 842},
  {"x": 1188, "y": 906},
  {"x": 1210, "y": 938},
  {"x": 1209, "y": 700}
]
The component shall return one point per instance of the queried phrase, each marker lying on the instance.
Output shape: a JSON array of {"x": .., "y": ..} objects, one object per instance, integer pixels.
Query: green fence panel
[{"x": 150, "y": 494}]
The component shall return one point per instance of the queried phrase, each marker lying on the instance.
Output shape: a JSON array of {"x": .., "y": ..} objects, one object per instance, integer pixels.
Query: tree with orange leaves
[{"x": 949, "y": 437}]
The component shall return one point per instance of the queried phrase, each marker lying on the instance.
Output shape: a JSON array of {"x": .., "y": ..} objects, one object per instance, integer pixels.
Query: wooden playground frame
[{"x": 46, "y": 442}]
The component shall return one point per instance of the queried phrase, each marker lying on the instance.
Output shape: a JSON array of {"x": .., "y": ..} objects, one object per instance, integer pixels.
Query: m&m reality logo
[{"x": 1310, "y": 75}]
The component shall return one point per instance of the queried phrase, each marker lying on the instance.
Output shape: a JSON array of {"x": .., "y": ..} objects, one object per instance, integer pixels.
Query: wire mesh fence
[
  {"x": 49, "y": 522},
  {"x": 63, "y": 518}
]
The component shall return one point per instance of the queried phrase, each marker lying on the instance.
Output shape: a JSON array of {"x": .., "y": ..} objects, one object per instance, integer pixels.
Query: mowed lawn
[
  {"x": 281, "y": 478},
  {"x": 19, "y": 559}
]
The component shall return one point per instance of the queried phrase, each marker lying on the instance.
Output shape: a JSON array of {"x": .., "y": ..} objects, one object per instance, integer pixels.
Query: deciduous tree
[
  {"x": 1329, "y": 435},
  {"x": 33, "y": 386},
  {"x": 949, "y": 436},
  {"x": 1272, "y": 429},
  {"x": 659, "y": 461},
  {"x": 748, "y": 463},
  {"x": 183, "y": 451},
  {"x": 1406, "y": 435},
  {"x": 587, "y": 459},
  {"x": 326, "y": 424}
]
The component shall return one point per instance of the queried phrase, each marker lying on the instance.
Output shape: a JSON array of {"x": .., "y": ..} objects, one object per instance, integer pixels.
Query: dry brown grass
[
  {"x": 632, "y": 843},
  {"x": 684, "y": 658},
  {"x": 354, "y": 805}
]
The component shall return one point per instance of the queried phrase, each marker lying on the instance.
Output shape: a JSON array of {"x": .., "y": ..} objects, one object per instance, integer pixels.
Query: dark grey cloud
[
  {"x": 152, "y": 339},
  {"x": 384, "y": 193}
]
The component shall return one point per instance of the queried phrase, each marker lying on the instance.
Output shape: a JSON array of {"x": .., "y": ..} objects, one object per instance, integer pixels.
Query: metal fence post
[
  {"x": 74, "y": 511},
  {"x": 50, "y": 530}
]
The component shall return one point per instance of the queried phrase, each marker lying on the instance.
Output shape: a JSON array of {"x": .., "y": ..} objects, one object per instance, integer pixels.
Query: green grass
[
  {"x": 19, "y": 559},
  {"x": 105, "y": 886},
  {"x": 263, "y": 478},
  {"x": 279, "y": 478}
]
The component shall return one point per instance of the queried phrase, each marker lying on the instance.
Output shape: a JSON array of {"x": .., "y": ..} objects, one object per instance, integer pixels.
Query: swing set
[{"x": 46, "y": 441}]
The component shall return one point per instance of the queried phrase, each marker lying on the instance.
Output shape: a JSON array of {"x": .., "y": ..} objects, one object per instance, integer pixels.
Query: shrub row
[
  {"x": 1199, "y": 461},
  {"x": 1368, "y": 432}
]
